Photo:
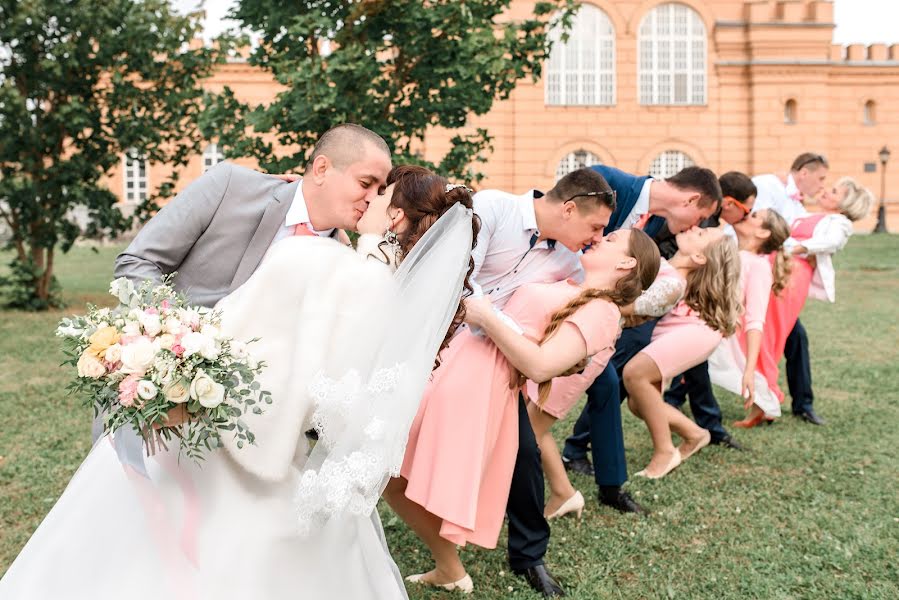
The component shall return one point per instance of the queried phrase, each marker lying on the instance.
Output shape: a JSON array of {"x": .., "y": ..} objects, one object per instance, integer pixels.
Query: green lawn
[{"x": 810, "y": 513}]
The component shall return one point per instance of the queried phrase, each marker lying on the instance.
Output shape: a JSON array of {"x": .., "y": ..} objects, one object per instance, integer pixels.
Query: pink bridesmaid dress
[
  {"x": 784, "y": 308},
  {"x": 464, "y": 440}
]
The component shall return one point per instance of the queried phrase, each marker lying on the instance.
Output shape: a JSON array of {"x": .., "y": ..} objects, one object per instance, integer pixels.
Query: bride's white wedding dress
[{"x": 348, "y": 349}]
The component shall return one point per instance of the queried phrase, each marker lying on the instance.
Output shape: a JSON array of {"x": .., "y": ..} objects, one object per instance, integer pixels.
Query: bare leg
[
  {"x": 560, "y": 488},
  {"x": 448, "y": 567},
  {"x": 643, "y": 380}
]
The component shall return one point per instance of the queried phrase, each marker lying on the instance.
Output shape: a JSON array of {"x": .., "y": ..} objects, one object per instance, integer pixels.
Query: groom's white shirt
[
  {"x": 296, "y": 214},
  {"x": 503, "y": 257}
]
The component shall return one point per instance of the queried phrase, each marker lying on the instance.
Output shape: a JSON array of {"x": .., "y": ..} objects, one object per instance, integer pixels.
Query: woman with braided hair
[{"x": 450, "y": 497}]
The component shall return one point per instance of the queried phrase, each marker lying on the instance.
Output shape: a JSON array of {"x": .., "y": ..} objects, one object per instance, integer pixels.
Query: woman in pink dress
[
  {"x": 817, "y": 237},
  {"x": 455, "y": 479},
  {"x": 733, "y": 365},
  {"x": 707, "y": 259},
  {"x": 658, "y": 299}
]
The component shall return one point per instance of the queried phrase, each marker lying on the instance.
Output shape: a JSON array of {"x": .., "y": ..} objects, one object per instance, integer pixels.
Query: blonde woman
[
  {"x": 734, "y": 363},
  {"x": 815, "y": 239},
  {"x": 708, "y": 260}
]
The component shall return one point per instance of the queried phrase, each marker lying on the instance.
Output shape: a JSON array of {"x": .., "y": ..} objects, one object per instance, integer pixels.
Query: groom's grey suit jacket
[{"x": 214, "y": 233}]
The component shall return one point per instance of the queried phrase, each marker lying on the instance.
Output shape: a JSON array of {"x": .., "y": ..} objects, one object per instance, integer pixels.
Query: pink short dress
[
  {"x": 464, "y": 440},
  {"x": 566, "y": 391},
  {"x": 680, "y": 341}
]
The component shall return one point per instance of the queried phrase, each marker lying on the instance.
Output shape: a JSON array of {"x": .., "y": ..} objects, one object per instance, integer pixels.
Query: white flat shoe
[
  {"x": 464, "y": 585},
  {"x": 575, "y": 504},
  {"x": 672, "y": 465}
]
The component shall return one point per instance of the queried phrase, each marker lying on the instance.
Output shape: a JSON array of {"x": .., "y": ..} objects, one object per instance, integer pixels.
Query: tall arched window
[
  {"x": 668, "y": 163},
  {"x": 135, "y": 167},
  {"x": 581, "y": 70},
  {"x": 790, "y": 111},
  {"x": 870, "y": 113},
  {"x": 672, "y": 62},
  {"x": 574, "y": 161},
  {"x": 212, "y": 156}
]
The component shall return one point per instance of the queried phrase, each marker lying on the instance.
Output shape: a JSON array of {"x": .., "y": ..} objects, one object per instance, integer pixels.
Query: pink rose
[
  {"x": 165, "y": 304},
  {"x": 178, "y": 349},
  {"x": 151, "y": 311},
  {"x": 128, "y": 390}
]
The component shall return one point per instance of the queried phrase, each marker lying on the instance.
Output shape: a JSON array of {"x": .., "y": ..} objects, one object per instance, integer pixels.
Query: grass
[{"x": 809, "y": 513}]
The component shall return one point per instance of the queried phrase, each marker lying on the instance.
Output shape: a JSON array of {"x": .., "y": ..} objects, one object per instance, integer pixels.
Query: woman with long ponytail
[{"x": 734, "y": 364}]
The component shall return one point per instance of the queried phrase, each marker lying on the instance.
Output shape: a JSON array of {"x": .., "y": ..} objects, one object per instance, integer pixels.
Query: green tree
[
  {"x": 397, "y": 68},
  {"x": 81, "y": 83}
]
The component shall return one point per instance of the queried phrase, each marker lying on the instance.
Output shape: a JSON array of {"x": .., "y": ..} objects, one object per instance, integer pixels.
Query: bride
[{"x": 349, "y": 346}]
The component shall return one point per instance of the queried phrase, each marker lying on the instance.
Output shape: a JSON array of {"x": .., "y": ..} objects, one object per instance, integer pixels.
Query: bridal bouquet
[{"x": 154, "y": 353}]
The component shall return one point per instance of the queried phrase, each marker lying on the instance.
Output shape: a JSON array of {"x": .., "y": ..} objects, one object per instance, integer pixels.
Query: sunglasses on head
[
  {"x": 610, "y": 194},
  {"x": 815, "y": 158}
]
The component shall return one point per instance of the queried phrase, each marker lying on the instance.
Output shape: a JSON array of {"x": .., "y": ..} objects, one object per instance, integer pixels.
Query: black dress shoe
[
  {"x": 729, "y": 442},
  {"x": 542, "y": 580},
  {"x": 622, "y": 502},
  {"x": 809, "y": 416},
  {"x": 581, "y": 466}
]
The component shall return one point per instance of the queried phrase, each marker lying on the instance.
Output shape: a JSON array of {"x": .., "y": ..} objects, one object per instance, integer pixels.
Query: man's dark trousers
[
  {"x": 599, "y": 425},
  {"x": 528, "y": 528},
  {"x": 696, "y": 385},
  {"x": 799, "y": 369}
]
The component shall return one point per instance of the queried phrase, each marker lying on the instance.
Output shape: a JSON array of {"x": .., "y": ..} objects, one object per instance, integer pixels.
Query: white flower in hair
[{"x": 451, "y": 186}]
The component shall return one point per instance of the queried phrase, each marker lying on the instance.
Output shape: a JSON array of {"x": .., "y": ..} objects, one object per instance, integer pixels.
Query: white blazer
[{"x": 830, "y": 235}]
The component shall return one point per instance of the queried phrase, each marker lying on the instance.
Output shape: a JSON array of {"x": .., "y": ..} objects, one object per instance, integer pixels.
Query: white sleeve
[
  {"x": 660, "y": 297},
  {"x": 830, "y": 235},
  {"x": 485, "y": 209}
]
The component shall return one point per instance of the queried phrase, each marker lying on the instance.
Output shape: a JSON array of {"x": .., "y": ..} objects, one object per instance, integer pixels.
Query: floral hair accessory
[{"x": 451, "y": 186}]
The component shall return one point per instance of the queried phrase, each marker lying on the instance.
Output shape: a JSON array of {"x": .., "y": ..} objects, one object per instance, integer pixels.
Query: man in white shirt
[
  {"x": 785, "y": 195},
  {"x": 535, "y": 237}
]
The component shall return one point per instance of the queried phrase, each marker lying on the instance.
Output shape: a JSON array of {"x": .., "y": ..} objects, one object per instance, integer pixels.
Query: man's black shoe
[
  {"x": 542, "y": 580},
  {"x": 809, "y": 416},
  {"x": 622, "y": 502},
  {"x": 729, "y": 442},
  {"x": 580, "y": 466}
]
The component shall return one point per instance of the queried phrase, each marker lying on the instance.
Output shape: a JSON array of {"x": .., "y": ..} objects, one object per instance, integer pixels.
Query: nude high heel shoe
[
  {"x": 575, "y": 504},
  {"x": 464, "y": 585},
  {"x": 672, "y": 465}
]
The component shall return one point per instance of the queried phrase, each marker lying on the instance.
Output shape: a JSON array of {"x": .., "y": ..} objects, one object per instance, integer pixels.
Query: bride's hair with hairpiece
[{"x": 424, "y": 197}]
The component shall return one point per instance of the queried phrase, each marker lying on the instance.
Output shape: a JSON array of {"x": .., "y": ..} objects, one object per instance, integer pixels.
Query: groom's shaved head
[{"x": 346, "y": 144}]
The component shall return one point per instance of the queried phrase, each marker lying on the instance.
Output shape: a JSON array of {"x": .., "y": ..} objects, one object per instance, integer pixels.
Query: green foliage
[
  {"x": 82, "y": 82},
  {"x": 18, "y": 285},
  {"x": 398, "y": 68}
]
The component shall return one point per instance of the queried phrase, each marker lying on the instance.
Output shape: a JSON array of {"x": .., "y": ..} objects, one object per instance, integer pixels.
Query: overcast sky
[{"x": 858, "y": 21}]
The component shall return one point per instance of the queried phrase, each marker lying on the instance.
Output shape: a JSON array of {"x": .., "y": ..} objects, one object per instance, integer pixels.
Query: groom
[{"x": 215, "y": 232}]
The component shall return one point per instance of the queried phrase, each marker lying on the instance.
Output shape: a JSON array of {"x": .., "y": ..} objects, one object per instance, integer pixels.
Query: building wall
[{"x": 760, "y": 54}]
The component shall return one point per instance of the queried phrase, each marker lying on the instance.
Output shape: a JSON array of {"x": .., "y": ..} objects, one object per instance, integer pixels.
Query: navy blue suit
[{"x": 599, "y": 425}]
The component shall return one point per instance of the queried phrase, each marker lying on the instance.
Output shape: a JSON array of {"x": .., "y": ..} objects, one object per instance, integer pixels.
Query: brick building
[{"x": 653, "y": 85}]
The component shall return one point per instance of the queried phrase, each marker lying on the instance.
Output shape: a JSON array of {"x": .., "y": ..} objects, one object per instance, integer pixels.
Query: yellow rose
[
  {"x": 89, "y": 366},
  {"x": 102, "y": 339}
]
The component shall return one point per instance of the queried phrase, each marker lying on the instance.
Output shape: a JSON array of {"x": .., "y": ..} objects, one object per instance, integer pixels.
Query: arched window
[
  {"x": 212, "y": 156},
  {"x": 581, "y": 70},
  {"x": 790, "y": 112},
  {"x": 574, "y": 161},
  {"x": 135, "y": 176},
  {"x": 672, "y": 56},
  {"x": 870, "y": 113},
  {"x": 669, "y": 163}
]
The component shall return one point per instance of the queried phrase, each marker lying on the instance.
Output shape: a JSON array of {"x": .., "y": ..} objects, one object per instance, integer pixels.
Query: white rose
[
  {"x": 177, "y": 392},
  {"x": 146, "y": 389},
  {"x": 89, "y": 366},
  {"x": 131, "y": 328},
  {"x": 198, "y": 343},
  {"x": 138, "y": 356},
  {"x": 189, "y": 317},
  {"x": 151, "y": 324},
  {"x": 206, "y": 391},
  {"x": 239, "y": 351},
  {"x": 211, "y": 331},
  {"x": 172, "y": 325},
  {"x": 113, "y": 353}
]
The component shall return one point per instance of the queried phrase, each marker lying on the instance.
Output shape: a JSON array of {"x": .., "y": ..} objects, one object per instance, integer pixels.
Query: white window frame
[
  {"x": 576, "y": 160},
  {"x": 136, "y": 171},
  {"x": 212, "y": 156},
  {"x": 581, "y": 70},
  {"x": 668, "y": 163},
  {"x": 659, "y": 68}
]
